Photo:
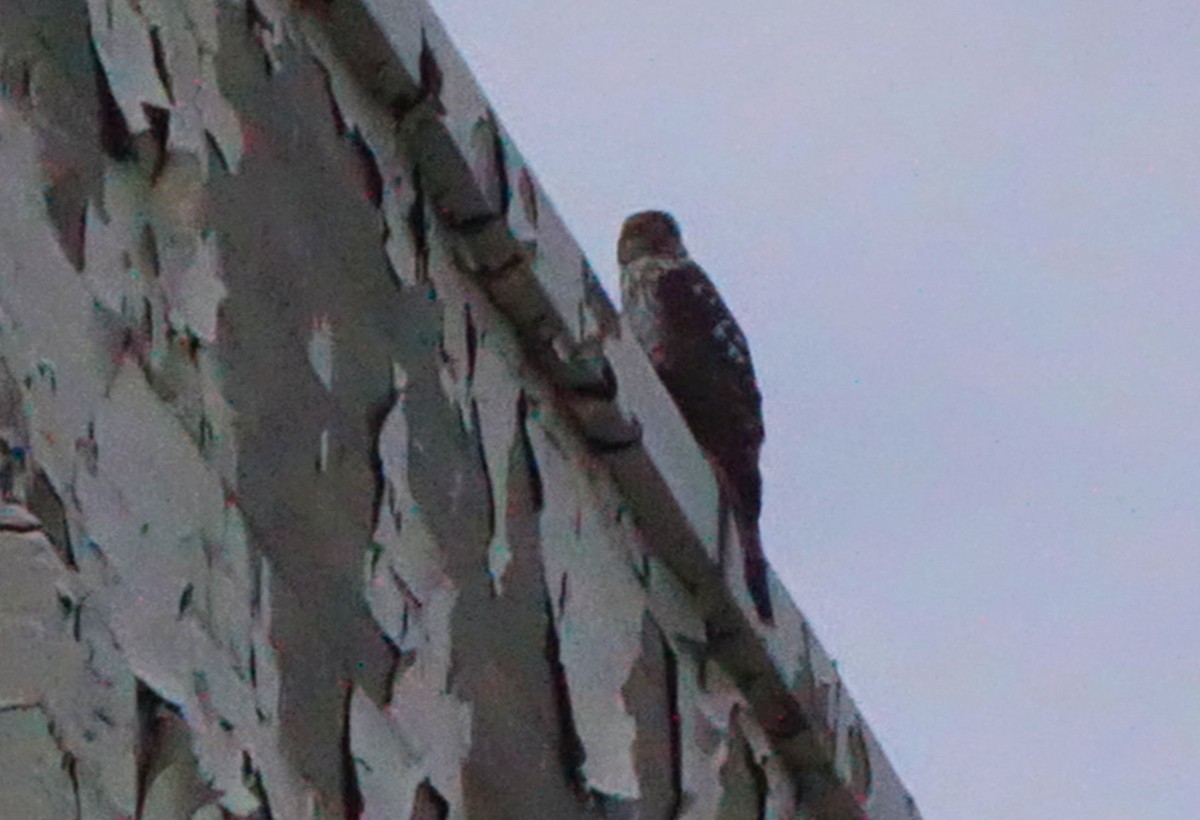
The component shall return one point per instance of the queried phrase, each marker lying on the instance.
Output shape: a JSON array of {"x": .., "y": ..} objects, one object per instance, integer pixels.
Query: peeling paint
[
  {"x": 127, "y": 56},
  {"x": 598, "y": 615},
  {"x": 320, "y": 350},
  {"x": 34, "y": 771},
  {"x": 329, "y": 485}
]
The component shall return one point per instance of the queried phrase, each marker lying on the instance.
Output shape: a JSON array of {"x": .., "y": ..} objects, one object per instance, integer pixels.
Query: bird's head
[{"x": 649, "y": 233}]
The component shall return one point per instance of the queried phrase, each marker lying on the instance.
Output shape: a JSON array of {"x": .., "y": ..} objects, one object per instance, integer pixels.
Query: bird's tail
[{"x": 755, "y": 567}]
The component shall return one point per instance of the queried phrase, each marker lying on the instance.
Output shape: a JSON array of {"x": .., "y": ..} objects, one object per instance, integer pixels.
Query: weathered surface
[{"x": 331, "y": 486}]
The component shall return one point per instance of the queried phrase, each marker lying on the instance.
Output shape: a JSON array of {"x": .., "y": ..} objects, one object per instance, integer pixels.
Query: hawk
[{"x": 702, "y": 358}]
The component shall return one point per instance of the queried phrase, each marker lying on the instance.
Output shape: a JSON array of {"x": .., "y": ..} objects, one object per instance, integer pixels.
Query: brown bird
[{"x": 703, "y": 358}]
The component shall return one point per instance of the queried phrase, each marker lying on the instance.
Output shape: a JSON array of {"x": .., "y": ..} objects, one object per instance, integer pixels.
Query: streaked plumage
[{"x": 703, "y": 359}]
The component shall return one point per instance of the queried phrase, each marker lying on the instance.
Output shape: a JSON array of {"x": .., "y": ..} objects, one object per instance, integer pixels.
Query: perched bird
[{"x": 702, "y": 357}]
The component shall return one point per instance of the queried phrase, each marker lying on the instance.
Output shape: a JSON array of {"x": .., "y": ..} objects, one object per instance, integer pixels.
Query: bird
[{"x": 703, "y": 359}]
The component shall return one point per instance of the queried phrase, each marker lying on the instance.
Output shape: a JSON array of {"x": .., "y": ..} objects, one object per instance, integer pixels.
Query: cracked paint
[
  {"x": 35, "y": 776},
  {"x": 328, "y": 484},
  {"x": 598, "y": 614}
]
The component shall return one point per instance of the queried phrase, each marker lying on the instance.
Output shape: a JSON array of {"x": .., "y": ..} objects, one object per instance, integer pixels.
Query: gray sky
[{"x": 963, "y": 240}]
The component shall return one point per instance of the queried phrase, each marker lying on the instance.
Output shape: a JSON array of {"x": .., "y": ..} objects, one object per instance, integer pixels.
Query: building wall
[{"x": 331, "y": 487}]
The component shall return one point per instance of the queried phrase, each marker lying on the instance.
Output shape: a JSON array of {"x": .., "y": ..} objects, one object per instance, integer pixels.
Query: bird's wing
[{"x": 706, "y": 360}]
